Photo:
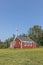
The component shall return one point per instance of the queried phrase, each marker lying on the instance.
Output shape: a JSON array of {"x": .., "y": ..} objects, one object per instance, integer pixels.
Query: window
[
  {"x": 24, "y": 43},
  {"x": 19, "y": 42},
  {"x": 30, "y": 43}
]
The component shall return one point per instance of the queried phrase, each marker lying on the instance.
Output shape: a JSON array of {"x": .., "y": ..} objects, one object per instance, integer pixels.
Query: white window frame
[
  {"x": 24, "y": 43},
  {"x": 30, "y": 43}
]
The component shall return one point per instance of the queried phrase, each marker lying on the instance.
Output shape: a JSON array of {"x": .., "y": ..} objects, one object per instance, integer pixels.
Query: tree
[
  {"x": 23, "y": 35},
  {"x": 41, "y": 39},
  {"x": 9, "y": 40},
  {"x": 35, "y": 33}
]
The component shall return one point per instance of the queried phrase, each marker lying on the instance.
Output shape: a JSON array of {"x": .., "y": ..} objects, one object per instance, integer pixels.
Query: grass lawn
[{"x": 21, "y": 56}]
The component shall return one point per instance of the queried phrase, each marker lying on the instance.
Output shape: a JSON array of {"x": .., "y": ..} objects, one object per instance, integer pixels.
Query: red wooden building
[{"x": 22, "y": 42}]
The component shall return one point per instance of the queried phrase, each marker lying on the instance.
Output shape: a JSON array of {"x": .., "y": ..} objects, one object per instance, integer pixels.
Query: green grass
[{"x": 21, "y": 56}]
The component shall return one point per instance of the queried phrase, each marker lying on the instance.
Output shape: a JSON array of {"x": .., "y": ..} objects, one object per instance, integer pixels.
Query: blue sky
[{"x": 21, "y": 14}]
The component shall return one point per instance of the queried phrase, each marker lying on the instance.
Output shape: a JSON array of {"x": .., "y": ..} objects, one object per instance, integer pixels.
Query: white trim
[
  {"x": 18, "y": 38},
  {"x": 25, "y": 41}
]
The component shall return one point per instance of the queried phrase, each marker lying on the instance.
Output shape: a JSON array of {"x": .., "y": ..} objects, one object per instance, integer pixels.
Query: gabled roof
[{"x": 24, "y": 38}]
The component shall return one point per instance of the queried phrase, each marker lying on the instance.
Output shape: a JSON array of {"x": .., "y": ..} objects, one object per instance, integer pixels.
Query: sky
[{"x": 20, "y": 14}]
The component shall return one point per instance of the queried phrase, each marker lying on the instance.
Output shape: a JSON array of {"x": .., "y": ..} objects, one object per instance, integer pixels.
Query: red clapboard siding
[{"x": 25, "y": 44}]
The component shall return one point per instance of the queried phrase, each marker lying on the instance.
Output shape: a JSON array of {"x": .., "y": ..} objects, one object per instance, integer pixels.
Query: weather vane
[{"x": 16, "y": 32}]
